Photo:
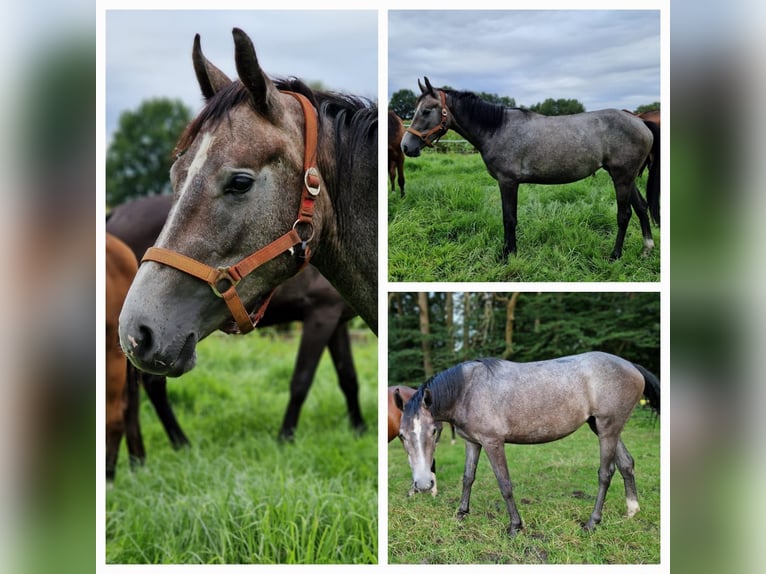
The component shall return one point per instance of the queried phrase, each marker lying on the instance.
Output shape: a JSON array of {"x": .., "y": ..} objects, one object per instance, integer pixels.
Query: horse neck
[
  {"x": 347, "y": 251},
  {"x": 462, "y": 123}
]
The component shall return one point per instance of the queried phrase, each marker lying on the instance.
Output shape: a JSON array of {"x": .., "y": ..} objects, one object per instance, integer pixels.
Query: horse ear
[
  {"x": 427, "y": 398},
  {"x": 398, "y": 401},
  {"x": 429, "y": 87},
  {"x": 422, "y": 88},
  {"x": 210, "y": 78},
  {"x": 262, "y": 91}
]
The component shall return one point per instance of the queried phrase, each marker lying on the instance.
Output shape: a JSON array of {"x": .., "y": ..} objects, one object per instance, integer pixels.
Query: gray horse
[
  {"x": 492, "y": 402},
  {"x": 519, "y": 146}
]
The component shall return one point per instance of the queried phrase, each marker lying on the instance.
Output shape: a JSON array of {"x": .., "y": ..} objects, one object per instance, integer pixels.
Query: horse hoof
[
  {"x": 461, "y": 515},
  {"x": 512, "y": 531}
]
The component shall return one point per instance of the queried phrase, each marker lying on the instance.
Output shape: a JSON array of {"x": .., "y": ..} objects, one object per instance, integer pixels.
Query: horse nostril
[{"x": 146, "y": 338}]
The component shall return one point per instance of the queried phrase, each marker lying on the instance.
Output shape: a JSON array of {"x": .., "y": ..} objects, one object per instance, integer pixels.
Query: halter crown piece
[
  {"x": 223, "y": 280},
  {"x": 435, "y": 133}
]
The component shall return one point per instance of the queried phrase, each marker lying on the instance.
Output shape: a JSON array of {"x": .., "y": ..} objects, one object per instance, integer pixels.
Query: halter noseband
[
  {"x": 432, "y": 136},
  {"x": 223, "y": 280}
]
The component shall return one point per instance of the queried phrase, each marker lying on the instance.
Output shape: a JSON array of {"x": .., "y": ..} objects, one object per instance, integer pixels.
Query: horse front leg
[
  {"x": 340, "y": 351},
  {"x": 496, "y": 455},
  {"x": 509, "y": 193},
  {"x": 472, "y": 452}
]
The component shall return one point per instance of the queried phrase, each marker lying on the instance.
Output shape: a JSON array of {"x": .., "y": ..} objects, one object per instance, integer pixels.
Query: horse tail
[
  {"x": 651, "y": 387},
  {"x": 653, "y": 182}
]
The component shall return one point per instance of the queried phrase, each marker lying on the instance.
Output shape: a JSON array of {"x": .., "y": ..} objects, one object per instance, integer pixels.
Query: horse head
[
  {"x": 239, "y": 183},
  {"x": 430, "y": 122},
  {"x": 419, "y": 432}
]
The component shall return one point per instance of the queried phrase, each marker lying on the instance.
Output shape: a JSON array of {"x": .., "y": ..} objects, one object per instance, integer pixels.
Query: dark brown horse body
[
  {"x": 307, "y": 297},
  {"x": 121, "y": 386},
  {"x": 395, "y": 154}
]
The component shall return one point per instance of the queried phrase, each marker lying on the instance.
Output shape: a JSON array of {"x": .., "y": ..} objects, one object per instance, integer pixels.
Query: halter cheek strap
[
  {"x": 223, "y": 280},
  {"x": 435, "y": 133}
]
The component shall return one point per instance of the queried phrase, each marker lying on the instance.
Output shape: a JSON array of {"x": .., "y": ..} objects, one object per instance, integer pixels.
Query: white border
[{"x": 383, "y": 7}]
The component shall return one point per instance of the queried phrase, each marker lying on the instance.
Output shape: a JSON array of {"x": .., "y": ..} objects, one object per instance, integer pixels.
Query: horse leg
[
  {"x": 340, "y": 351},
  {"x": 400, "y": 168},
  {"x": 607, "y": 446},
  {"x": 640, "y": 207},
  {"x": 309, "y": 352},
  {"x": 472, "y": 452},
  {"x": 136, "y": 450},
  {"x": 509, "y": 193},
  {"x": 116, "y": 395},
  {"x": 392, "y": 174},
  {"x": 496, "y": 455},
  {"x": 156, "y": 387},
  {"x": 623, "y": 192},
  {"x": 625, "y": 466}
]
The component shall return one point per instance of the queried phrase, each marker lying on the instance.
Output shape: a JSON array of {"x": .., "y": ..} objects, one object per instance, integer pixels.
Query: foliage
[
  {"x": 403, "y": 103},
  {"x": 647, "y": 108},
  {"x": 555, "y": 487},
  {"x": 237, "y": 495},
  {"x": 449, "y": 227},
  {"x": 545, "y": 325},
  {"x": 140, "y": 155},
  {"x": 559, "y": 107}
]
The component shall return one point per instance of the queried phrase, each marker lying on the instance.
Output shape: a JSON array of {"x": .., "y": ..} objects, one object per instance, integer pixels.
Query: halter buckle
[{"x": 224, "y": 274}]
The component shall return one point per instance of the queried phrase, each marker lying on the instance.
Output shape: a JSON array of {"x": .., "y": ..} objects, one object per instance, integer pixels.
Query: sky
[
  {"x": 148, "y": 52},
  {"x": 604, "y": 59}
]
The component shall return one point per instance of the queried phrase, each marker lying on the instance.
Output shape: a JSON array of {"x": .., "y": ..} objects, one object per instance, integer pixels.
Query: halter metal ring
[
  {"x": 312, "y": 172},
  {"x": 311, "y": 226},
  {"x": 224, "y": 274}
]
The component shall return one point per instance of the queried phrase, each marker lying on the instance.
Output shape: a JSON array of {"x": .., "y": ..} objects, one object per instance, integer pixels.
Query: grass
[
  {"x": 449, "y": 227},
  {"x": 555, "y": 486},
  {"x": 238, "y": 495}
]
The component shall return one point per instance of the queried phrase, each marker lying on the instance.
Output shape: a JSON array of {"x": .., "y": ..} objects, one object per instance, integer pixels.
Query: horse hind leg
[
  {"x": 625, "y": 465},
  {"x": 623, "y": 192},
  {"x": 608, "y": 447},
  {"x": 641, "y": 209}
]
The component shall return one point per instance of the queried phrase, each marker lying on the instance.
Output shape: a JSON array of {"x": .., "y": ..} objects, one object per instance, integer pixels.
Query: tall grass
[
  {"x": 449, "y": 227},
  {"x": 555, "y": 486},
  {"x": 238, "y": 495}
]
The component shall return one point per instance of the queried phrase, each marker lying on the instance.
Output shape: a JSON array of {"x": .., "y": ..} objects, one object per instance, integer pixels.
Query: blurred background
[{"x": 51, "y": 213}]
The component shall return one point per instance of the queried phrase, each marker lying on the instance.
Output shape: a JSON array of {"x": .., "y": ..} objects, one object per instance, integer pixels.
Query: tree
[
  {"x": 560, "y": 107},
  {"x": 140, "y": 155},
  {"x": 648, "y": 108},
  {"x": 425, "y": 333},
  {"x": 403, "y": 104}
]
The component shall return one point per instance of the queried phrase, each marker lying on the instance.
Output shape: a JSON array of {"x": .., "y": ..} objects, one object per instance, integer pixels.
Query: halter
[
  {"x": 223, "y": 280},
  {"x": 438, "y": 130}
]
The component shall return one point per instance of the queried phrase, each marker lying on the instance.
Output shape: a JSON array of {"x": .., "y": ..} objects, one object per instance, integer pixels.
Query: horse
[
  {"x": 307, "y": 297},
  {"x": 394, "y": 418},
  {"x": 492, "y": 402},
  {"x": 520, "y": 146},
  {"x": 269, "y": 175},
  {"x": 395, "y": 155},
  {"x": 121, "y": 382}
]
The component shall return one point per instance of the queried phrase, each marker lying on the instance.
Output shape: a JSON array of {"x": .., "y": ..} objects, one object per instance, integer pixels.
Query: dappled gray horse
[
  {"x": 270, "y": 174},
  {"x": 492, "y": 402},
  {"x": 519, "y": 146}
]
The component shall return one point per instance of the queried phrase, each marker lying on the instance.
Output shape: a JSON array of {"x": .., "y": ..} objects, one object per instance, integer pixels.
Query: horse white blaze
[
  {"x": 421, "y": 471},
  {"x": 198, "y": 162}
]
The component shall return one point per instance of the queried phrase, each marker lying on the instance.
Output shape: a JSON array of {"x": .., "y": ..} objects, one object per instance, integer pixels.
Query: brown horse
[
  {"x": 121, "y": 379},
  {"x": 395, "y": 154}
]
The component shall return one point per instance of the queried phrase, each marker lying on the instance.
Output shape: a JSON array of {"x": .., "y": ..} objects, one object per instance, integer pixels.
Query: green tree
[
  {"x": 495, "y": 99},
  {"x": 648, "y": 108},
  {"x": 403, "y": 103},
  {"x": 560, "y": 107},
  {"x": 139, "y": 157}
]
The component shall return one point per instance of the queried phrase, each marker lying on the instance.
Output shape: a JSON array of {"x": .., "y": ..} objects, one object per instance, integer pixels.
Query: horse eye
[
  {"x": 401, "y": 437},
  {"x": 240, "y": 183}
]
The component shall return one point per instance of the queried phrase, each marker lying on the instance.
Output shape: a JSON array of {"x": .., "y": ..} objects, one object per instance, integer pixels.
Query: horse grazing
[
  {"x": 121, "y": 376},
  {"x": 492, "y": 402},
  {"x": 520, "y": 146},
  {"x": 394, "y": 417},
  {"x": 269, "y": 175},
  {"x": 307, "y": 297},
  {"x": 395, "y": 155}
]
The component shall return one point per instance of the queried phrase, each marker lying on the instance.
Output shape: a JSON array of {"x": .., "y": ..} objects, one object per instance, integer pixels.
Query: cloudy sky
[
  {"x": 148, "y": 53},
  {"x": 604, "y": 59}
]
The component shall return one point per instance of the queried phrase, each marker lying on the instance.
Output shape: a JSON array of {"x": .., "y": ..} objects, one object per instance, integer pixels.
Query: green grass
[
  {"x": 238, "y": 495},
  {"x": 449, "y": 227},
  {"x": 555, "y": 487}
]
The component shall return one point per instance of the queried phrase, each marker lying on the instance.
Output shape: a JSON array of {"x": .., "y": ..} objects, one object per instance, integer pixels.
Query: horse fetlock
[{"x": 633, "y": 507}]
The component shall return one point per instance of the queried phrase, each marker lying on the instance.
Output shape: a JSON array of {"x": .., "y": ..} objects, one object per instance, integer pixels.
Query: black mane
[
  {"x": 487, "y": 115},
  {"x": 445, "y": 387}
]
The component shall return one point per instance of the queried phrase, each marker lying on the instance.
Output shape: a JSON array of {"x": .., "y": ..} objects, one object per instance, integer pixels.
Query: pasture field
[
  {"x": 449, "y": 227},
  {"x": 238, "y": 495},
  {"x": 555, "y": 487}
]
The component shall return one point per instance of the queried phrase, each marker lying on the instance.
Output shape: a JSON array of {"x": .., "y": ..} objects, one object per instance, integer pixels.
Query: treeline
[{"x": 429, "y": 332}]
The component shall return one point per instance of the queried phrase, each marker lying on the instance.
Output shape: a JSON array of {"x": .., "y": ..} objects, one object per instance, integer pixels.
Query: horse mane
[
  {"x": 446, "y": 386},
  {"x": 485, "y": 114},
  {"x": 355, "y": 119}
]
